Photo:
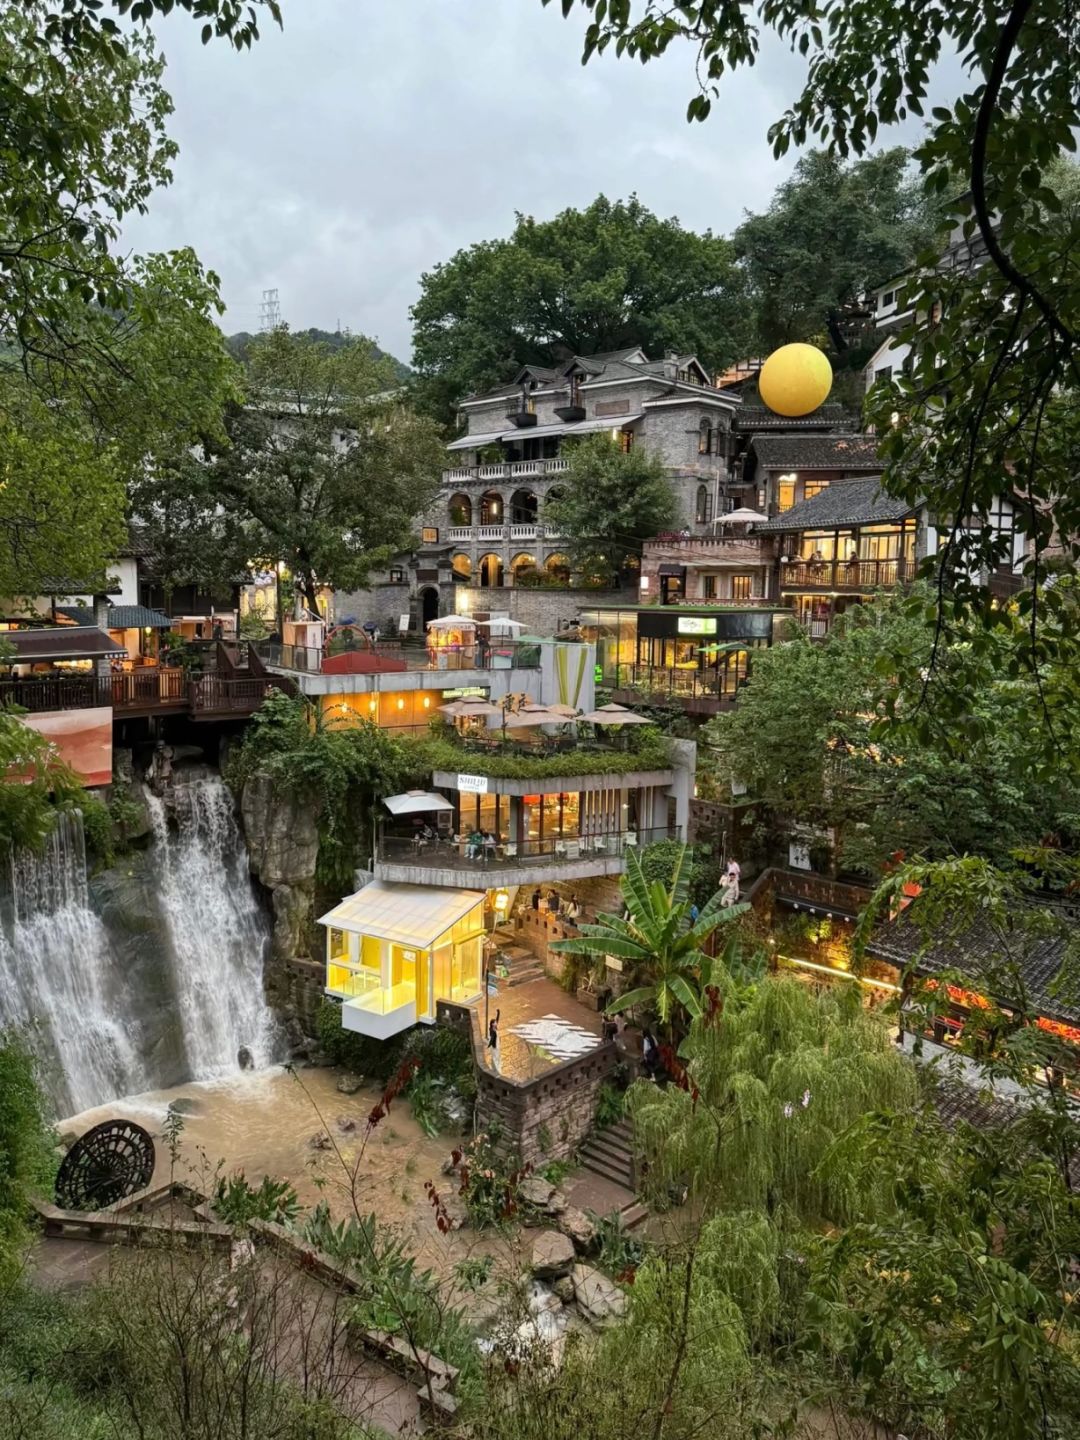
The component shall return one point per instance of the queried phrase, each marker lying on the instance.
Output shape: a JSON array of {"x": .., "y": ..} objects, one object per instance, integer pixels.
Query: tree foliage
[
  {"x": 323, "y": 469},
  {"x": 839, "y": 735},
  {"x": 831, "y": 232},
  {"x": 26, "y": 1160},
  {"x": 608, "y": 503},
  {"x": 608, "y": 277}
]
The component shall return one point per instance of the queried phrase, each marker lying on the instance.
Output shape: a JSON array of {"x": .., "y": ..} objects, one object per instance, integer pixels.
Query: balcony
[
  {"x": 698, "y": 691},
  {"x": 505, "y": 470},
  {"x": 523, "y": 416},
  {"x": 491, "y": 532},
  {"x": 459, "y": 532},
  {"x": 524, "y": 532},
  {"x": 155, "y": 690},
  {"x": 389, "y": 658},
  {"x": 845, "y": 575},
  {"x": 444, "y": 862}
]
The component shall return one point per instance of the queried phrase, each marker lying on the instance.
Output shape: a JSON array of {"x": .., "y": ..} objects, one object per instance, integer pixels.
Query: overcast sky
[{"x": 342, "y": 157}]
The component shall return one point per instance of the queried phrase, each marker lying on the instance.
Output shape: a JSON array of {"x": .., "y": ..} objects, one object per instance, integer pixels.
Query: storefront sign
[
  {"x": 613, "y": 963},
  {"x": 697, "y": 624},
  {"x": 472, "y": 784}
]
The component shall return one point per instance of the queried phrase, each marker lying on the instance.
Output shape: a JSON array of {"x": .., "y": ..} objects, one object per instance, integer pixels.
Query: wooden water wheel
[{"x": 108, "y": 1163}]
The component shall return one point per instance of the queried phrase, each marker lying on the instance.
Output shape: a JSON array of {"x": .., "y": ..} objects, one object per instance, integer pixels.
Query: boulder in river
[{"x": 552, "y": 1255}]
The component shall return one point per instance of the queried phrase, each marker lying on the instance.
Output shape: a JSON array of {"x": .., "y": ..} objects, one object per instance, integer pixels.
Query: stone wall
[
  {"x": 281, "y": 829},
  {"x": 542, "y": 1119},
  {"x": 542, "y": 612}
]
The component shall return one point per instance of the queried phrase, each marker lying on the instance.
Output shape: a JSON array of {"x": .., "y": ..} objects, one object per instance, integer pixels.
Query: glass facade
[{"x": 666, "y": 651}]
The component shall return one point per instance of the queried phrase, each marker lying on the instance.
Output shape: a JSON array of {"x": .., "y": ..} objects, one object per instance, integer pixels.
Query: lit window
[
  {"x": 814, "y": 487},
  {"x": 741, "y": 586},
  {"x": 786, "y": 493}
]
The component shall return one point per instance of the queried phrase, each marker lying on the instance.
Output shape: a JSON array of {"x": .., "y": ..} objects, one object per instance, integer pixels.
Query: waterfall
[
  {"x": 217, "y": 932},
  {"x": 59, "y": 979}
]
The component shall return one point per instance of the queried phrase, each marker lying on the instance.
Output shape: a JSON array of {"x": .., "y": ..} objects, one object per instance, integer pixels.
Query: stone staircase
[
  {"x": 610, "y": 1153},
  {"x": 522, "y": 963}
]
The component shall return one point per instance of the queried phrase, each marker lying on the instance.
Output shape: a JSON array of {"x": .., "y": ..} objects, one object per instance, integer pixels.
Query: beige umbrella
[
  {"x": 568, "y": 712},
  {"x": 615, "y": 715},
  {"x": 531, "y": 715},
  {"x": 471, "y": 705}
]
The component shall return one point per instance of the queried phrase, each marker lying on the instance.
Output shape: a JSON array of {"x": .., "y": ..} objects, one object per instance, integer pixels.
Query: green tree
[
  {"x": 659, "y": 942},
  {"x": 839, "y": 735},
  {"x": 34, "y": 782},
  {"x": 608, "y": 503},
  {"x": 26, "y": 1161},
  {"x": 323, "y": 469},
  {"x": 607, "y": 277},
  {"x": 830, "y": 232}
]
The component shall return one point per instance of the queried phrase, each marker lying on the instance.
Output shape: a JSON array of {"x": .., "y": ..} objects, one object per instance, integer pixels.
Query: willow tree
[{"x": 773, "y": 1075}]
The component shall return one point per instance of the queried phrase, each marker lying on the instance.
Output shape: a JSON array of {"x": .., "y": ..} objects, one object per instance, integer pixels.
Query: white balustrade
[
  {"x": 552, "y": 467},
  {"x": 491, "y": 532},
  {"x": 526, "y": 467},
  {"x": 523, "y": 532},
  {"x": 463, "y": 472},
  {"x": 492, "y": 472},
  {"x": 459, "y": 532}
]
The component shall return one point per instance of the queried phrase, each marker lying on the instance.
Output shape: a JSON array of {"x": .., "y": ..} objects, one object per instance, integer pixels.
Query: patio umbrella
[
  {"x": 615, "y": 715},
  {"x": 741, "y": 517},
  {"x": 452, "y": 622},
  {"x": 568, "y": 712},
  {"x": 504, "y": 626},
  {"x": 471, "y": 705},
  {"x": 415, "y": 802},
  {"x": 531, "y": 715}
]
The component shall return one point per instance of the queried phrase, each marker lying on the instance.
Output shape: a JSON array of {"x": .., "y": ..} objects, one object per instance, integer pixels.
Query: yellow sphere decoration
[{"x": 795, "y": 380}]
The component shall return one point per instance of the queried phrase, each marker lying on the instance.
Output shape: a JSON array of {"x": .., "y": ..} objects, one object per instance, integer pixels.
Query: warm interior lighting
[
  {"x": 373, "y": 706},
  {"x": 839, "y": 974},
  {"x": 501, "y": 901},
  {"x": 401, "y": 702},
  {"x": 427, "y": 702}
]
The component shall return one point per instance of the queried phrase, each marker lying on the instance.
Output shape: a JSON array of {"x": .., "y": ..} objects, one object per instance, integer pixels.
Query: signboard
[
  {"x": 402, "y": 624},
  {"x": 472, "y": 784},
  {"x": 613, "y": 963},
  {"x": 697, "y": 624},
  {"x": 492, "y": 988}
]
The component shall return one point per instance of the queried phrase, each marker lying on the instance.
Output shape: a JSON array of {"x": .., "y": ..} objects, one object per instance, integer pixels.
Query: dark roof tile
[
  {"x": 859, "y": 501},
  {"x": 817, "y": 452}
]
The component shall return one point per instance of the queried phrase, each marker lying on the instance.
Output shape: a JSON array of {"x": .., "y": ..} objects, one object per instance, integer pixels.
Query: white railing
[
  {"x": 490, "y": 532},
  {"x": 459, "y": 532},
  {"x": 552, "y": 467},
  {"x": 527, "y": 467},
  {"x": 492, "y": 472},
  {"x": 504, "y": 471},
  {"x": 463, "y": 472},
  {"x": 552, "y": 532},
  {"x": 523, "y": 532}
]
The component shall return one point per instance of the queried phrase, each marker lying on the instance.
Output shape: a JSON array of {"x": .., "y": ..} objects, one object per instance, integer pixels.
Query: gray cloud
[{"x": 340, "y": 158}]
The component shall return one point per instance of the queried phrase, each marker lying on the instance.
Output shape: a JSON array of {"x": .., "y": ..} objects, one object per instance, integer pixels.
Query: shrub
[
  {"x": 489, "y": 1182},
  {"x": 237, "y": 1202},
  {"x": 359, "y": 1053},
  {"x": 649, "y": 752},
  {"x": 27, "y": 1156},
  {"x": 610, "y": 1105}
]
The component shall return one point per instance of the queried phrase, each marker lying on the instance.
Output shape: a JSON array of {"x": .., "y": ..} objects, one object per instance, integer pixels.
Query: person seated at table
[
  {"x": 474, "y": 845},
  {"x": 424, "y": 836},
  {"x": 489, "y": 843}
]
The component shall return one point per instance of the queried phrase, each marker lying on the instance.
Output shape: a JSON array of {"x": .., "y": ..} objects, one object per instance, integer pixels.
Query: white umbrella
[
  {"x": 566, "y": 712},
  {"x": 741, "y": 517},
  {"x": 615, "y": 715},
  {"x": 452, "y": 622},
  {"x": 531, "y": 715},
  {"x": 415, "y": 802},
  {"x": 503, "y": 626}
]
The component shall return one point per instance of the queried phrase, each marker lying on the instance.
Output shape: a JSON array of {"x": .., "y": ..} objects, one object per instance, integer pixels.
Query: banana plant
[{"x": 658, "y": 941}]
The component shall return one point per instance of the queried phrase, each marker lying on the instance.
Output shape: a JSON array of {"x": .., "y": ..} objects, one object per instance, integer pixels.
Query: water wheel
[{"x": 108, "y": 1163}]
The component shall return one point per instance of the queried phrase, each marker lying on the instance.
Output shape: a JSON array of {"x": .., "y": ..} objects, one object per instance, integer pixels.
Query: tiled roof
[
  {"x": 756, "y": 417},
  {"x": 62, "y": 642},
  {"x": 608, "y": 364},
  {"x": 137, "y": 545},
  {"x": 977, "y": 953},
  {"x": 119, "y": 617},
  {"x": 857, "y": 501},
  {"x": 817, "y": 452},
  {"x": 959, "y": 1104}
]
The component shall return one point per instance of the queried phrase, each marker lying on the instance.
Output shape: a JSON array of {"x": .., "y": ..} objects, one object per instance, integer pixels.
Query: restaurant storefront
[{"x": 697, "y": 654}]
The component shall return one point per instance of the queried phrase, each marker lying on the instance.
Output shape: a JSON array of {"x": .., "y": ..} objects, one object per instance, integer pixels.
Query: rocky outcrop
[
  {"x": 552, "y": 1255},
  {"x": 281, "y": 829},
  {"x": 600, "y": 1298}
]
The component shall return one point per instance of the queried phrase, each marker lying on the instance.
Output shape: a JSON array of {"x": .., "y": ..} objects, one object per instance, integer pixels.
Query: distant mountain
[{"x": 237, "y": 346}]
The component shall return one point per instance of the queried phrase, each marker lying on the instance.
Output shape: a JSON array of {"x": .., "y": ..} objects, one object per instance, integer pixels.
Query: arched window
[
  {"x": 703, "y": 507},
  {"x": 460, "y": 510},
  {"x": 462, "y": 567},
  {"x": 523, "y": 508},
  {"x": 491, "y": 508},
  {"x": 490, "y": 570},
  {"x": 704, "y": 438}
]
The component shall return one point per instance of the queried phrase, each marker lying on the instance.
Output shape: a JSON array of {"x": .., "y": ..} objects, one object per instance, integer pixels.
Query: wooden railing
[
  {"x": 846, "y": 574},
  {"x": 155, "y": 688}
]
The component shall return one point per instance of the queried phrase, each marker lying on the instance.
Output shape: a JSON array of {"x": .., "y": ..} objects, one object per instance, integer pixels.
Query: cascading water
[
  {"x": 59, "y": 977},
  {"x": 217, "y": 932}
]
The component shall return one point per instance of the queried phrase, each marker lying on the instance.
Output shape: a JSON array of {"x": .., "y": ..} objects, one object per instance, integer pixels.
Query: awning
[
  {"x": 413, "y": 915},
  {"x": 65, "y": 642},
  {"x": 416, "y": 802},
  {"x": 539, "y": 432},
  {"x": 670, "y": 569}
]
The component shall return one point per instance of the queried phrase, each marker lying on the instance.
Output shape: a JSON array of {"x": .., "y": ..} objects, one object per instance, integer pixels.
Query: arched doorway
[
  {"x": 521, "y": 565},
  {"x": 523, "y": 508},
  {"x": 491, "y": 508},
  {"x": 462, "y": 568},
  {"x": 429, "y": 604},
  {"x": 558, "y": 566},
  {"x": 490, "y": 570}
]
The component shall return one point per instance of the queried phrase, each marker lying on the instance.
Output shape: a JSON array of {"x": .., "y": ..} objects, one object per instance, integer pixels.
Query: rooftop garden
[{"x": 512, "y": 759}]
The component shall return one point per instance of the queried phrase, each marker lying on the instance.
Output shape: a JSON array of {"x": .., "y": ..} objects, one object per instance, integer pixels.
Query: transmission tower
[{"x": 269, "y": 311}]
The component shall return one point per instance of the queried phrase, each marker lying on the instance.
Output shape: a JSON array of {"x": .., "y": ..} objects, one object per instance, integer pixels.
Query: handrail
[{"x": 446, "y": 853}]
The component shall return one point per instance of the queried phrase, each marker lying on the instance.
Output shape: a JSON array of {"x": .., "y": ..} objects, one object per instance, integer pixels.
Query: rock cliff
[{"x": 281, "y": 829}]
